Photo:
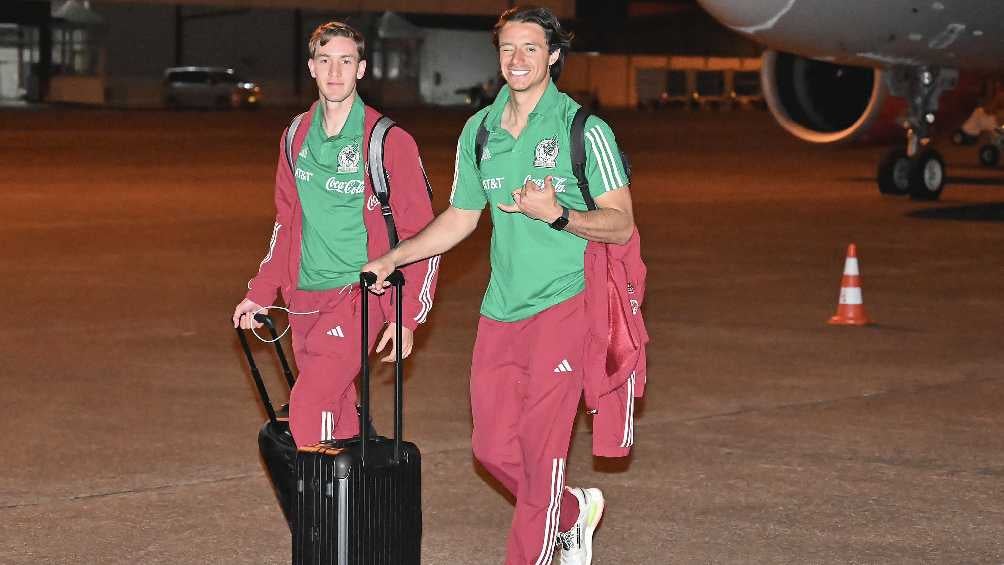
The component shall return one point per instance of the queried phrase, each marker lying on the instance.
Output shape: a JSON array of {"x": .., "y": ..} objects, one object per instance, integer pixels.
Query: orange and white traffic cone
[{"x": 851, "y": 308}]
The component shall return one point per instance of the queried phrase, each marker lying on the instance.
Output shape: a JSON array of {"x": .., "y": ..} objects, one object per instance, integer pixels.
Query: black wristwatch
[{"x": 562, "y": 220}]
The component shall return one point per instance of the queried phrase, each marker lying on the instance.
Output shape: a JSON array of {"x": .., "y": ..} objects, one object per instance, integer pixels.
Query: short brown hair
[
  {"x": 324, "y": 32},
  {"x": 556, "y": 37}
]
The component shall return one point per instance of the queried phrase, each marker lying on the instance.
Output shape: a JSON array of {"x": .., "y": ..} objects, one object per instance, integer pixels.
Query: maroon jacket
[
  {"x": 410, "y": 200},
  {"x": 615, "y": 367}
]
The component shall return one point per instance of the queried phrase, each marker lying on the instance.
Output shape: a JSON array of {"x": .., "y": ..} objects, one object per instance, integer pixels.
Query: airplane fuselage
[
  {"x": 831, "y": 63},
  {"x": 876, "y": 33}
]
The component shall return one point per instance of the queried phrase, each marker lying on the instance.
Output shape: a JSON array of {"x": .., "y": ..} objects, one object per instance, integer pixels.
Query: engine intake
[{"x": 821, "y": 102}]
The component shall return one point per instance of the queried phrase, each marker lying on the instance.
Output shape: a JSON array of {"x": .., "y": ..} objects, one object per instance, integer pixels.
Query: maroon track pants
[
  {"x": 327, "y": 347},
  {"x": 526, "y": 382}
]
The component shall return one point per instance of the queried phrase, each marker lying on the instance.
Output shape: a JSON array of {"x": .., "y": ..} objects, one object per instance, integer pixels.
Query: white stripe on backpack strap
[
  {"x": 616, "y": 174},
  {"x": 553, "y": 510},
  {"x": 425, "y": 294},
  {"x": 594, "y": 145}
]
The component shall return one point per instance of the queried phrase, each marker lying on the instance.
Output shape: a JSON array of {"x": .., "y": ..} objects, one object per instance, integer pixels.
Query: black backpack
[
  {"x": 377, "y": 172},
  {"x": 577, "y": 137}
]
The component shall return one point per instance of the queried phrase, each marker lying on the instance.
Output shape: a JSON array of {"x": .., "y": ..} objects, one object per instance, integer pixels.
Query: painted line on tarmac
[
  {"x": 156, "y": 488},
  {"x": 648, "y": 422},
  {"x": 465, "y": 446}
]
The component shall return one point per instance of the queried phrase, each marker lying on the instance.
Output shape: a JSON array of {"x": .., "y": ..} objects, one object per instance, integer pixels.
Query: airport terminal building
[{"x": 116, "y": 52}]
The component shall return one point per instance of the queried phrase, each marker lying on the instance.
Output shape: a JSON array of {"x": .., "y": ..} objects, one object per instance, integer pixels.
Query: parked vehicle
[
  {"x": 208, "y": 87},
  {"x": 479, "y": 95},
  {"x": 990, "y": 153}
]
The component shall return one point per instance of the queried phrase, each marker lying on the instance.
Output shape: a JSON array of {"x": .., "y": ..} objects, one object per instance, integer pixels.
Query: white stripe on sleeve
[
  {"x": 602, "y": 163},
  {"x": 425, "y": 295},
  {"x": 599, "y": 160},
  {"x": 616, "y": 174},
  {"x": 456, "y": 173},
  {"x": 271, "y": 245}
]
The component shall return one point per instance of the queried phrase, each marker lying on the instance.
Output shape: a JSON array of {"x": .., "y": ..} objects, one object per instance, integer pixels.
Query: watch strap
[{"x": 562, "y": 220}]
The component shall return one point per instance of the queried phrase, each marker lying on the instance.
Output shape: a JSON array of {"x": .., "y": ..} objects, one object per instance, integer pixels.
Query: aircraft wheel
[
  {"x": 894, "y": 172},
  {"x": 927, "y": 175},
  {"x": 990, "y": 155}
]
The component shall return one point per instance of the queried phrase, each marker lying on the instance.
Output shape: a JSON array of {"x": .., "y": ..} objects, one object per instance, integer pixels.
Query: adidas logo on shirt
[
  {"x": 336, "y": 331},
  {"x": 563, "y": 367}
]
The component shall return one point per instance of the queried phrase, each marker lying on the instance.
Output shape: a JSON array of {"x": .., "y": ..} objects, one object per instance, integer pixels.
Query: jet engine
[{"x": 821, "y": 102}]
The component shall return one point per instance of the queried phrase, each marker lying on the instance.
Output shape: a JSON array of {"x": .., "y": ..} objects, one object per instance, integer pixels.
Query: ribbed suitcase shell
[
  {"x": 346, "y": 512},
  {"x": 349, "y": 515}
]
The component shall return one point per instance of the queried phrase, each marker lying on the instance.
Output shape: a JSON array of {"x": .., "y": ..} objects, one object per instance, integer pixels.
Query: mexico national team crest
[
  {"x": 546, "y": 153},
  {"x": 348, "y": 159}
]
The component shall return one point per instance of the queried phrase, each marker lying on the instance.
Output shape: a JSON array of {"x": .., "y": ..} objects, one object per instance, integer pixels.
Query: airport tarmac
[{"x": 766, "y": 436}]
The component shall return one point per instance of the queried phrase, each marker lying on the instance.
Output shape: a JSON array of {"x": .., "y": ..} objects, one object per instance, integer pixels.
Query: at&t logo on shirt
[{"x": 492, "y": 183}]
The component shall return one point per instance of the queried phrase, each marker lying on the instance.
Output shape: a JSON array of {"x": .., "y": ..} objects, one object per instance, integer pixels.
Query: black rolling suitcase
[
  {"x": 275, "y": 442},
  {"x": 359, "y": 501}
]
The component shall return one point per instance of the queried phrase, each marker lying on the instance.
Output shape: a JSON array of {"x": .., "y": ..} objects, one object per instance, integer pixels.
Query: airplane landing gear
[
  {"x": 894, "y": 172},
  {"x": 927, "y": 175},
  {"x": 922, "y": 176},
  {"x": 918, "y": 170}
]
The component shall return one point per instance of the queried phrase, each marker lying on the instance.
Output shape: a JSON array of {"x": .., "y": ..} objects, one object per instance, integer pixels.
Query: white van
[{"x": 208, "y": 87}]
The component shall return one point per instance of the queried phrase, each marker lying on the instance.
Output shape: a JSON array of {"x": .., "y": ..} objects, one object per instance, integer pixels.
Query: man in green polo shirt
[
  {"x": 526, "y": 378},
  {"x": 329, "y": 222},
  {"x": 329, "y": 181}
]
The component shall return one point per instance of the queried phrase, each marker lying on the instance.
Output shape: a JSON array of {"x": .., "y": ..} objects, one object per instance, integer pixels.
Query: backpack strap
[
  {"x": 378, "y": 174},
  {"x": 480, "y": 141},
  {"x": 578, "y": 142},
  {"x": 290, "y": 136}
]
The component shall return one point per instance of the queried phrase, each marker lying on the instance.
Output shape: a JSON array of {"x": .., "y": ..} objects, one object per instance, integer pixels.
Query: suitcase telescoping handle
[
  {"x": 367, "y": 279},
  {"x": 259, "y": 384}
]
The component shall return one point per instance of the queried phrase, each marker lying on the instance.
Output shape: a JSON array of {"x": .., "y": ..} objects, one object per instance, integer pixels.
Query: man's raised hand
[{"x": 534, "y": 201}]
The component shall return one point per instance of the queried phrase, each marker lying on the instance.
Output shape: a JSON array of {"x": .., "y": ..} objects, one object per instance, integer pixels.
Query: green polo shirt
[
  {"x": 534, "y": 266},
  {"x": 329, "y": 181}
]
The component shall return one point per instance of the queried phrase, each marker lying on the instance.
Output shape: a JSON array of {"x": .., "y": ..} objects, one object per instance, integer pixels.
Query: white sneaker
[{"x": 577, "y": 543}]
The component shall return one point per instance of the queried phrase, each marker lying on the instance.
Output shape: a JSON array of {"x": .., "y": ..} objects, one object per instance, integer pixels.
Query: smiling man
[
  {"x": 329, "y": 222},
  {"x": 526, "y": 375}
]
